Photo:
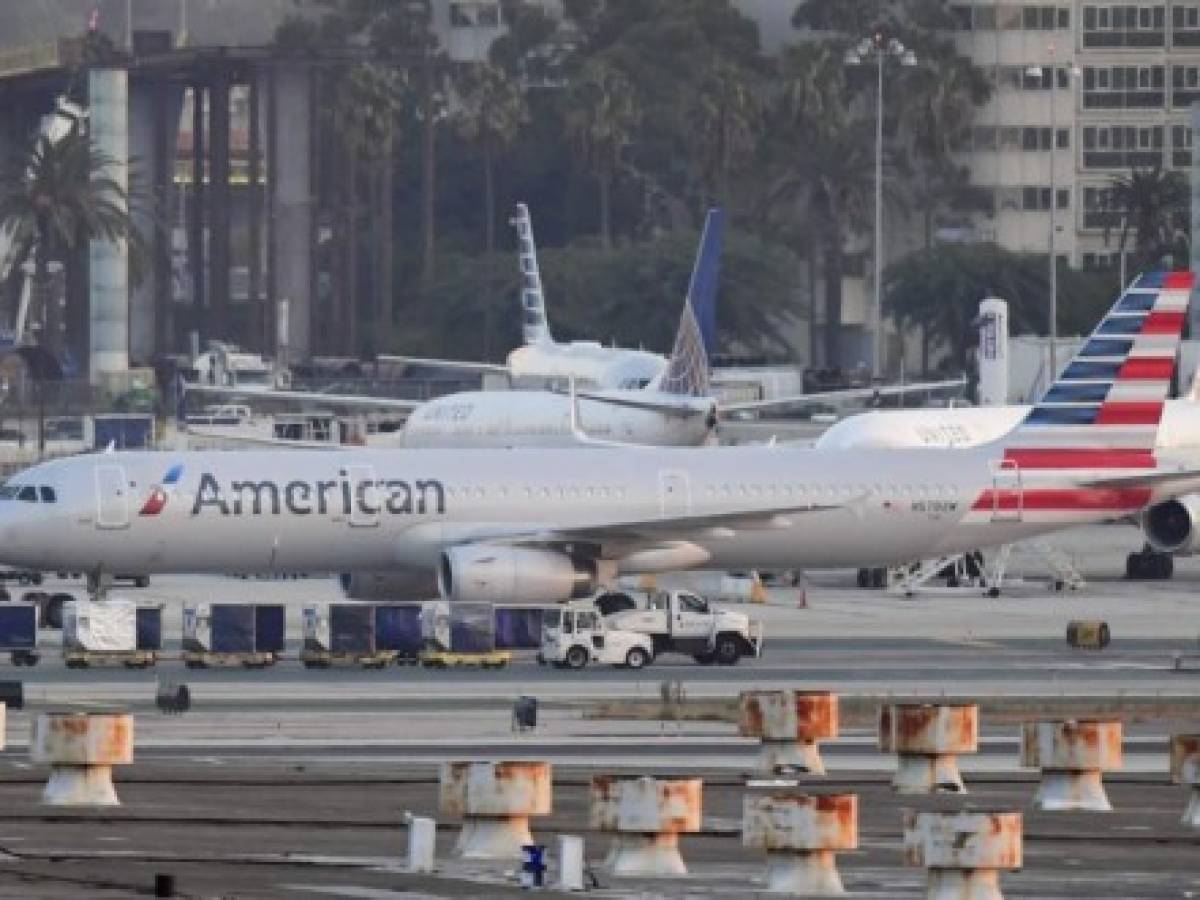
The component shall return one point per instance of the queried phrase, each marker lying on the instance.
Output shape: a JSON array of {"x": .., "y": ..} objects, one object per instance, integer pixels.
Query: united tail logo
[{"x": 158, "y": 497}]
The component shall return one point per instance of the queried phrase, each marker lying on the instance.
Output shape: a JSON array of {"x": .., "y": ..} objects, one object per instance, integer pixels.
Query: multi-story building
[{"x": 1083, "y": 92}]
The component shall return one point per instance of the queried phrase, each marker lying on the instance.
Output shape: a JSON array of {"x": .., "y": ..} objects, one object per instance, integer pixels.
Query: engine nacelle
[
  {"x": 1174, "y": 525},
  {"x": 409, "y": 584},
  {"x": 513, "y": 575}
]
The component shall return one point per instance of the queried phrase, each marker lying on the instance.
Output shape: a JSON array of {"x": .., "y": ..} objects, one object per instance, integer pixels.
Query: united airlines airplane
[{"x": 545, "y": 525}]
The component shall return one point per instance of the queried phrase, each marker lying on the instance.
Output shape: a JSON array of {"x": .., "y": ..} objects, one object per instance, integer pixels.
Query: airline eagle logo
[{"x": 158, "y": 497}]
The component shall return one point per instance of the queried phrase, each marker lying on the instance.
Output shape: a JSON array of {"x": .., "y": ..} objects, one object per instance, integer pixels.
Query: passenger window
[
  {"x": 692, "y": 604},
  {"x": 28, "y": 494},
  {"x": 48, "y": 494},
  {"x": 568, "y": 623},
  {"x": 660, "y": 601}
]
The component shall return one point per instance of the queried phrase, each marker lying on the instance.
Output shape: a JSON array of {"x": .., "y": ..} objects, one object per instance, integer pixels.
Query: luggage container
[
  {"x": 398, "y": 630},
  {"x": 342, "y": 634},
  {"x": 460, "y": 634},
  {"x": 18, "y": 634},
  {"x": 103, "y": 633},
  {"x": 519, "y": 627},
  {"x": 232, "y": 634}
]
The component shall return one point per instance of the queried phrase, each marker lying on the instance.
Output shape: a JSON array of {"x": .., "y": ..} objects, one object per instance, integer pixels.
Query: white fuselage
[
  {"x": 379, "y": 510},
  {"x": 973, "y": 426},
  {"x": 543, "y": 419},
  {"x": 590, "y": 364}
]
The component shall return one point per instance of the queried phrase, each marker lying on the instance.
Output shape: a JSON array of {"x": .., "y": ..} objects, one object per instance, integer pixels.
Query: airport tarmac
[{"x": 289, "y": 782}]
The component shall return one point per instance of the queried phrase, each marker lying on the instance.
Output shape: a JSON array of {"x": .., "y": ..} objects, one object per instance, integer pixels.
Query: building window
[
  {"x": 1035, "y": 199},
  {"x": 1062, "y": 198},
  {"x": 983, "y": 137},
  {"x": 1123, "y": 87},
  {"x": 1063, "y": 138}
]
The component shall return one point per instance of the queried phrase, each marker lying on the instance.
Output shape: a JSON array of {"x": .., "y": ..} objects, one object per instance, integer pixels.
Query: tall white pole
[
  {"x": 1053, "y": 209},
  {"x": 877, "y": 308}
]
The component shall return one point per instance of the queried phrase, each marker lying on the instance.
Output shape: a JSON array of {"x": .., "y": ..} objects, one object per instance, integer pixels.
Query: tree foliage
[{"x": 1151, "y": 206}]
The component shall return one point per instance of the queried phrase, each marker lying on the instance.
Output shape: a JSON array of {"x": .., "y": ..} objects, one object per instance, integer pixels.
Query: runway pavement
[{"x": 288, "y": 782}]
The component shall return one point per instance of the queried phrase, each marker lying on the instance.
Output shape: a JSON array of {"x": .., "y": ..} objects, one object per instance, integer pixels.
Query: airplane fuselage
[{"x": 335, "y": 511}]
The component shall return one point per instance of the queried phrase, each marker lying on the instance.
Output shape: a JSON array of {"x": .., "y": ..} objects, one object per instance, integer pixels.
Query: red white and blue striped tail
[{"x": 1103, "y": 412}]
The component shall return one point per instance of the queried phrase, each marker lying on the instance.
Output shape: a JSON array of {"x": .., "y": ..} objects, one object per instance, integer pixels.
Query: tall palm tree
[
  {"x": 1151, "y": 205},
  {"x": 491, "y": 110},
  {"x": 823, "y": 163},
  {"x": 602, "y": 115},
  {"x": 725, "y": 120},
  {"x": 55, "y": 201}
]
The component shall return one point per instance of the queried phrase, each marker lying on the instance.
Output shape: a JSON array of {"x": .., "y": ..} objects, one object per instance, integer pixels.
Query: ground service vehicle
[
  {"x": 577, "y": 634},
  {"x": 681, "y": 622}
]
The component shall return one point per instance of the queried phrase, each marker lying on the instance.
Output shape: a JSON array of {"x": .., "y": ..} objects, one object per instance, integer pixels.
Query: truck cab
[{"x": 577, "y": 634}]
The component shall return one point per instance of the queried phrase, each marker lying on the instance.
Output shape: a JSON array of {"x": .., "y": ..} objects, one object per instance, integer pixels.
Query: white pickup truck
[{"x": 681, "y": 622}]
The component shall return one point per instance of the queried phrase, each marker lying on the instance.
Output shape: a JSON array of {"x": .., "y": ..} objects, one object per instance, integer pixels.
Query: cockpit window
[
  {"x": 28, "y": 494},
  {"x": 48, "y": 495}
]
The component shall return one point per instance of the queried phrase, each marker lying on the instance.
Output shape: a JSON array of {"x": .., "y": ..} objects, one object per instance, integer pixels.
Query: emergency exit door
[
  {"x": 674, "y": 494},
  {"x": 112, "y": 498}
]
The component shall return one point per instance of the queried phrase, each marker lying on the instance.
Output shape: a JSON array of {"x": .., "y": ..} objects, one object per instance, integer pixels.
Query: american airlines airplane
[{"x": 546, "y": 525}]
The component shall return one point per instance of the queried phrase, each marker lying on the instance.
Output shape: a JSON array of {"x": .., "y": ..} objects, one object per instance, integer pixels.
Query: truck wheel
[
  {"x": 577, "y": 657},
  {"x": 637, "y": 658},
  {"x": 727, "y": 651},
  {"x": 705, "y": 659}
]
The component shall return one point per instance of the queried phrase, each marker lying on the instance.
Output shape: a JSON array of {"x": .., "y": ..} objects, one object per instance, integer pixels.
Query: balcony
[
  {"x": 1182, "y": 98},
  {"x": 1181, "y": 159},
  {"x": 1122, "y": 159},
  {"x": 1124, "y": 99},
  {"x": 1185, "y": 39},
  {"x": 1098, "y": 40},
  {"x": 1099, "y": 219}
]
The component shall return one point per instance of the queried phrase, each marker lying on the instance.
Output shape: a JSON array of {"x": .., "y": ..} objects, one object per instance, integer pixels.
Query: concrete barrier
[
  {"x": 790, "y": 725},
  {"x": 927, "y": 739},
  {"x": 81, "y": 748},
  {"x": 801, "y": 833},
  {"x": 1185, "y": 769},
  {"x": 1073, "y": 755},
  {"x": 963, "y": 853},
  {"x": 495, "y": 801},
  {"x": 646, "y": 816},
  {"x": 570, "y": 863},
  {"x": 422, "y": 844}
]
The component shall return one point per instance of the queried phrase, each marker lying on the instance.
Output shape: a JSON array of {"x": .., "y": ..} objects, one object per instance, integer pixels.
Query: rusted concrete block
[
  {"x": 646, "y": 815},
  {"x": 790, "y": 724},
  {"x": 495, "y": 801},
  {"x": 927, "y": 739},
  {"x": 81, "y": 748},
  {"x": 801, "y": 833},
  {"x": 1073, "y": 754},
  {"x": 963, "y": 852},
  {"x": 1185, "y": 769}
]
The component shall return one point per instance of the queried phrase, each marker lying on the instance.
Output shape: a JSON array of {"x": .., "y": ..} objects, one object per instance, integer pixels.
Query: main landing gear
[{"x": 1149, "y": 565}]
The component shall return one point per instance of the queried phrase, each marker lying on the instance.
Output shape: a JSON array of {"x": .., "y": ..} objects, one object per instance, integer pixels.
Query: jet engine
[
  {"x": 513, "y": 575},
  {"x": 1171, "y": 526},
  {"x": 411, "y": 584}
]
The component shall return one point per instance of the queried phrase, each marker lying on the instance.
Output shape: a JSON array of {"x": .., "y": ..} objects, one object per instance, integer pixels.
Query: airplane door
[
  {"x": 366, "y": 497},
  {"x": 112, "y": 498},
  {"x": 674, "y": 495},
  {"x": 1008, "y": 493}
]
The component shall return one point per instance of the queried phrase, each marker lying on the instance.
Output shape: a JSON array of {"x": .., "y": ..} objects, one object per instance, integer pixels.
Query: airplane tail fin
[
  {"x": 1103, "y": 411},
  {"x": 687, "y": 368},
  {"x": 534, "y": 325}
]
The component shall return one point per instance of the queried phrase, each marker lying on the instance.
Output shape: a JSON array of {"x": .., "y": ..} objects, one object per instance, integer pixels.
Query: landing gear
[
  {"x": 872, "y": 578},
  {"x": 1149, "y": 565}
]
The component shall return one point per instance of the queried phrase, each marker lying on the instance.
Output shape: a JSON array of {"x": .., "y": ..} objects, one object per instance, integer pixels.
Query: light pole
[
  {"x": 881, "y": 47},
  {"x": 1036, "y": 72}
]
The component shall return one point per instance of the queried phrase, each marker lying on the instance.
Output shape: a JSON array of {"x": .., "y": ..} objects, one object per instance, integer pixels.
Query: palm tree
[
  {"x": 602, "y": 113},
  {"x": 823, "y": 163},
  {"x": 1152, "y": 206},
  {"x": 491, "y": 111},
  {"x": 725, "y": 121},
  {"x": 55, "y": 201}
]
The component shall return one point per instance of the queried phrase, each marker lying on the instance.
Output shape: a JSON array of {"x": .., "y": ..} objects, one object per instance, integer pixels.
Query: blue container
[
  {"x": 398, "y": 627},
  {"x": 18, "y": 626},
  {"x": 472, "y": 628},
  {"x": 232, "y": 627},
  {"x": 149, "y": 627},
  {"x": 269, "y": 628},
  {"x": 124, "y": 431},
  {"x": 518, "y": 627},
  {"x": 352, "y": 628}
]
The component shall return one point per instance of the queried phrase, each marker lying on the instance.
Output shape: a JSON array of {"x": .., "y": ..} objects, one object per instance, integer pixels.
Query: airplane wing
[
  {"x": 254, "y": 441},
  {"x": 1177, "y": 481},
  {"x": 317, "y": 397},
  {"x": 666, "y": 408},
  {"x": 883, "y": 390},
  {"x": 464, "y": 364}
]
